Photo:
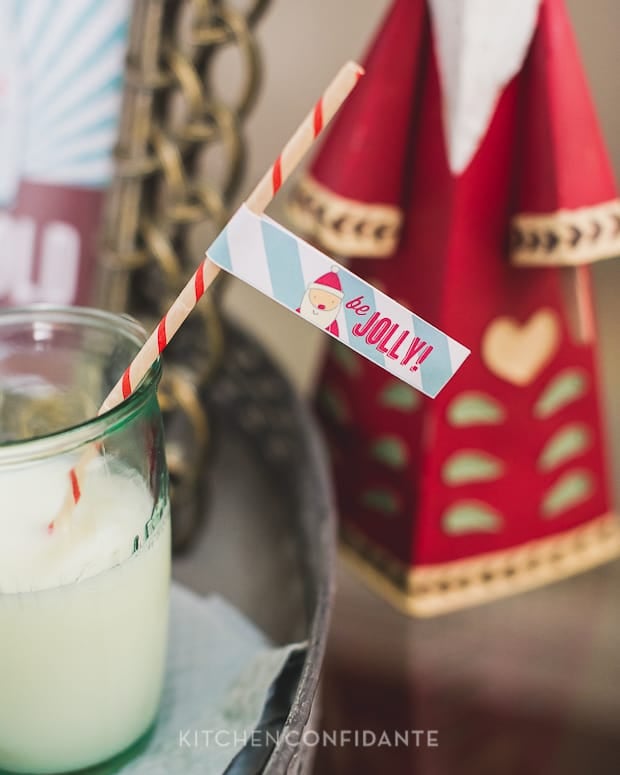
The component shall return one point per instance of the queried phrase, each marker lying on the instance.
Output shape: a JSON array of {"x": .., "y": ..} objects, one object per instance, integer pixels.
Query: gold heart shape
[{"x": 518, "y": 352}]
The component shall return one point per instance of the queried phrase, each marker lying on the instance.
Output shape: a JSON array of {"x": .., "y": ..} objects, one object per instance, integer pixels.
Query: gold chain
[{"x": 164, "y": 196}]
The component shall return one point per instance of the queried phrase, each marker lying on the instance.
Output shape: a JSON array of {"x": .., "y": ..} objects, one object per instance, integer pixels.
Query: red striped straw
[{"x": 292, "y": 153}]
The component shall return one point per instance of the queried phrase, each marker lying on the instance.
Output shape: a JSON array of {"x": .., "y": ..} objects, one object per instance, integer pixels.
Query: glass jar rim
[{"x": 69, "y": 438}]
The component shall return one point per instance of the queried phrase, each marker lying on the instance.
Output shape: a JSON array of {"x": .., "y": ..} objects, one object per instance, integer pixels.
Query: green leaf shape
[
  {"x": 473, "y": 408},
  {"x": 563, "y": 389},
  {"x": 335, "y": 405},
  {"x": 391, "y": 451},
  {"x": 346, "y": 359},
  {"x": 471, "y": 517},
  {"x": 571, "y": 489},
  {"x": 381, "y": 500},
  {"x": 570, "y": 441},
  {"x": 471, "y": 466},
  {"x": 397, "y": 395}
]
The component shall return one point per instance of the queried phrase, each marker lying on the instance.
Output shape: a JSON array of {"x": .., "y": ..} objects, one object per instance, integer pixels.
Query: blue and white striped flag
[{"x": 284, "y": 267}]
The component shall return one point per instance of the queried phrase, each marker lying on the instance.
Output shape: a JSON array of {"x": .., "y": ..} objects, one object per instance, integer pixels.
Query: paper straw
[{"x": 292, "y": 153}]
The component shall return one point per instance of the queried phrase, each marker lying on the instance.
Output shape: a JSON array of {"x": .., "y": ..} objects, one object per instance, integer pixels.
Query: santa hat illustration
[{"x": 328, "y": 282}]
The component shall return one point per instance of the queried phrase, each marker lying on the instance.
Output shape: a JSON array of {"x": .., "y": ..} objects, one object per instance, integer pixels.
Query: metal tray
[{"x": 268, "y": 542}]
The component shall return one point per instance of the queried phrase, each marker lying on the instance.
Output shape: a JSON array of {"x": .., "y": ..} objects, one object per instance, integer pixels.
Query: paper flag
[{"x": 284, "y": 267}]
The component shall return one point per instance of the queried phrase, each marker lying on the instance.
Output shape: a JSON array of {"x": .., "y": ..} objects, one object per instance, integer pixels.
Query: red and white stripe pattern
[
  {"x": 317, "y": 126},
  {"x": 158, "y": 340},
  {"x": 269, "y": 185}
]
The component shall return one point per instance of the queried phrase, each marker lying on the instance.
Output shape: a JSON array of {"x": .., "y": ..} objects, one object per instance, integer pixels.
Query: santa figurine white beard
[{"x": 323, "y": 318}]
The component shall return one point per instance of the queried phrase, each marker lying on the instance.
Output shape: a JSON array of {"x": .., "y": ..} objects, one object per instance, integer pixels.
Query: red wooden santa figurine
[{"x": 468, "y": 170}]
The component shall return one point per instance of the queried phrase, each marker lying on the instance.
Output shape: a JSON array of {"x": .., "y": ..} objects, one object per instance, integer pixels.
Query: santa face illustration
[{"x": 322, "y": 301}]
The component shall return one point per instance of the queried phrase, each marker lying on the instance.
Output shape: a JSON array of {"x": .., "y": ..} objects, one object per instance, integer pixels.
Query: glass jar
[{"x": 83, "y": 606}]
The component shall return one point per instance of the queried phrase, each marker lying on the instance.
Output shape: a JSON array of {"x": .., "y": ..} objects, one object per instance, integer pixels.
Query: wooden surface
[{"x": 527, "y": 685}]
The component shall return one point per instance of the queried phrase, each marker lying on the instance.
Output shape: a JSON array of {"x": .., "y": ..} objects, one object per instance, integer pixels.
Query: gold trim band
[
  {"x": 436, "y": 589},
  {"x": 344, "y": 226},
  {"x": 566, "y": 237}
]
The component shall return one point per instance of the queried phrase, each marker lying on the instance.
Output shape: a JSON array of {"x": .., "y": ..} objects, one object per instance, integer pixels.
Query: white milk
[{"x": 83, "y": 620}]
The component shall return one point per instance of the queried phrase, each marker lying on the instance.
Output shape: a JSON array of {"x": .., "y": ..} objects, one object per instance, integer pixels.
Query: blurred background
[{"x": 526, "y": 685}]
